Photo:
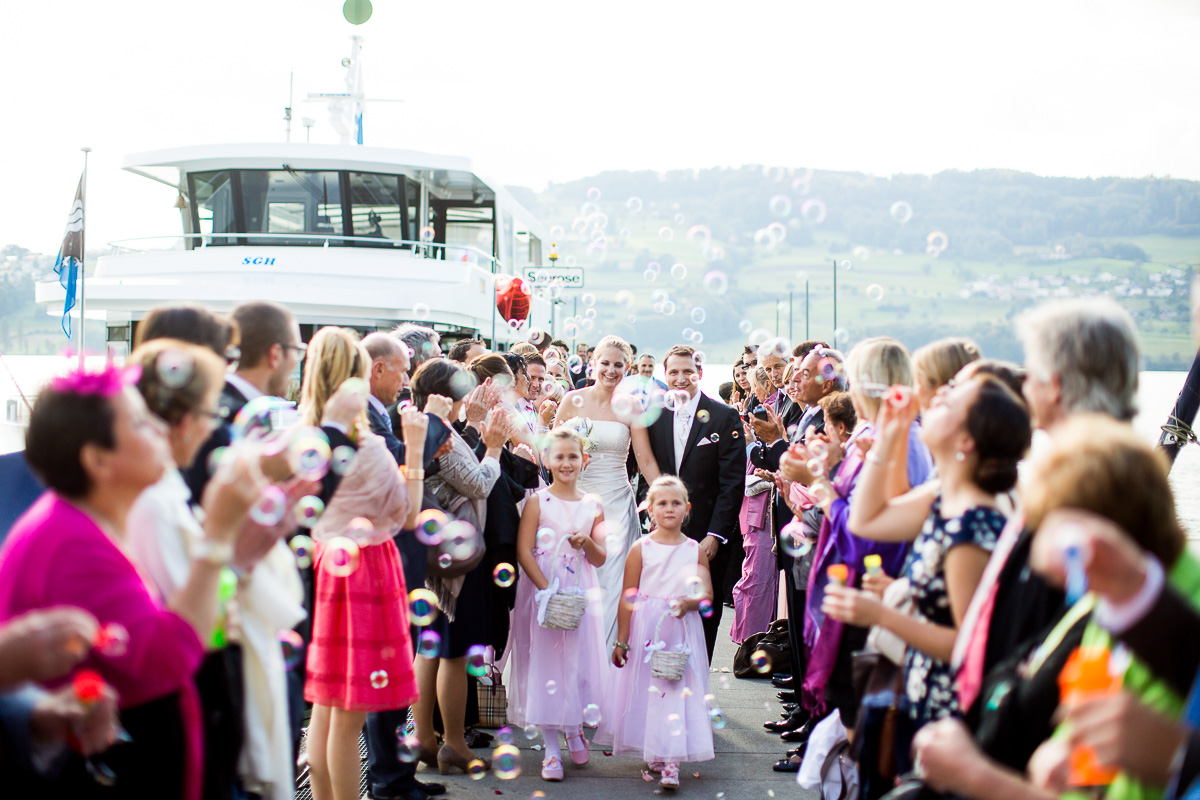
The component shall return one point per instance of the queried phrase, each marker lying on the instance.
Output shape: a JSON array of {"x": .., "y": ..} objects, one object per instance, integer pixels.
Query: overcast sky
[{"x": 550, "y": 91}]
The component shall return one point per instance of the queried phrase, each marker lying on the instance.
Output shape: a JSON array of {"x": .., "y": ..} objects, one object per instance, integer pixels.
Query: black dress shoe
[
  {"x": 787, "y": 697},
  {"x": 798, "y": 735},
  {"x": 415, "y": 793},
  {"x": 799, "y": 751},
  {"x": 477, "y": 739},
  {"x": 792, "y": 722},
  {"x": 431, "y": 789},
  {"x": 788, "y": 708},
  {"x": 782, "y": 681},
  {"x": 789, "y": 764}
]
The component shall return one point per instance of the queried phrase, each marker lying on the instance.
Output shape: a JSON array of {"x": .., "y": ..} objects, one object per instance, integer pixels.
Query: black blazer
[{"x": 714, "y": 473}]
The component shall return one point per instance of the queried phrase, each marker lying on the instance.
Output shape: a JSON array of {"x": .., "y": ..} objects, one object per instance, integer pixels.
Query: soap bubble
[
  {"x": 532, "y": 732},
  {"x": 476, "y": 769},
  {"x": 588, "y": 299},
  {"x": 702, "y": 415},
  {"x": 506, "y": 762},
  {"x": 420, "y": 311},
  {"x": 760, "y": 661},
  {"x": 422, "y": 607},
  {"x": 816, "y": 466},
  {"x": 875, "y": 292},
  {"x": 504, "y": 575},
  {"x": 674, "y": 724},
  {"x": 634, "y": 204},
  {"x": 901, "y": 211},
  {"x": 699, "y": 235},
  {"x": 302, "y": 547},
  {"x": 271, "y": 506},
  {"x": 505, "y": 735},
  {"x": 308, "y": 510},
  {"x": 379, "y": 679},
  {"x": 715, "y": 282},
  {"x": 794, "y": 544},
  {"x": 291, "y": 644},
  {"x": 408, "y": 748},
  {"x": 717, "y": 717},
  {"x": 650, "y": 276},
  {"x": 706, "y": 607},
  {"x": 430, "y": 523},
  {"x": 593, "y": 194},
  {"x": 174, "y": 367},
  {"x": 359, "y": 528},
  {"x": 476, "y": 660},
  {"x": 666, "y": 233},
  {"x": 429, "y": 644},
  {"x": 780, "y": 205},
  {"x": 258, "y": 418},
  {"x": 427, "y": 233},
  {"x": 745, "y": 326},
  {"x": 341, "y": 459},
  {"x": 624, "y": 298},
  {"x": 813, "y": 210},
  {"x": 900, "y": 396},
  {"x": 841, "y": 336},
  {"x": 694, "y": 587},
  {"x": 678, "y": 271},
  {"x": 936, "y": 242},
  {"x": 551, "y": 687},
  {"x": 341, "y": 557},
  {"x": 545, "y": 538},
  {"x": 591, "y": 715},
  {"x": 112, "y": 640},
  {"x": 308, "y": 453},
  {"x": 846, "y": 265}
]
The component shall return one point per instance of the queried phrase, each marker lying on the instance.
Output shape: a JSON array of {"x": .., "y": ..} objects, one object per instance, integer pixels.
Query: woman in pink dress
[
  {"x": 96, "y": 447},
  {"x": 558, "y": 677},
  {"x": 665, "y": 721},
  {"x": 360, "y": 659}
]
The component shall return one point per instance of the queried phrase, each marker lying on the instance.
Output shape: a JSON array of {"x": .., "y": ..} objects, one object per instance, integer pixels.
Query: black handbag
[{"x": 774, "y": 643}]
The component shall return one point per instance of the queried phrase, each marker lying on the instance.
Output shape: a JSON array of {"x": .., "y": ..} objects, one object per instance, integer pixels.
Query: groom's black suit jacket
[{"x": 713, "y": 466}]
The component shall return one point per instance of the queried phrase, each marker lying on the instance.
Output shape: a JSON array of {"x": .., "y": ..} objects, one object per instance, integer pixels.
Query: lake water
[{"x": 1156, "y": 395}]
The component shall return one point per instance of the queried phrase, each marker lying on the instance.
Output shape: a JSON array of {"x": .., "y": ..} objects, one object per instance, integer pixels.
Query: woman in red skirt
[{"x": 360, "y": 658}]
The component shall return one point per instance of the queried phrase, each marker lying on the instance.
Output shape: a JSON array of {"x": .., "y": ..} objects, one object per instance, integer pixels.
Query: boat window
[
  {"x": 291, "y": 201},
  {"x": 529, "y": 250},
  {"x": 468, "y": 233},
  {"x": 508, "y": 242},
  {"x": 212, "y": 204},
  {"x": 378, "y": 206}
]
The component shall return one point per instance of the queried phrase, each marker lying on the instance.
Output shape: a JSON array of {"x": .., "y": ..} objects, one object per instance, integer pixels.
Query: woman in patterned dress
[{"x": 976, "y": 430}]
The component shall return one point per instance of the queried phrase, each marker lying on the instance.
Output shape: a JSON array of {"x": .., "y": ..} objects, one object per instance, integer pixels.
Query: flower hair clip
[{"x": 108, "y": 382}]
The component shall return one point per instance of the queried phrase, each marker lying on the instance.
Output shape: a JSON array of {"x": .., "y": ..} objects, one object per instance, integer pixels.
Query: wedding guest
[{"x": 96, "y": 446}]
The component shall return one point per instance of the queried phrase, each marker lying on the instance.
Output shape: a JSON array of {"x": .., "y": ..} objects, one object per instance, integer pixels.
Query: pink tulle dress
[
  {"x": 659, "y": 719},
  {"x": 556, "y": 674}
]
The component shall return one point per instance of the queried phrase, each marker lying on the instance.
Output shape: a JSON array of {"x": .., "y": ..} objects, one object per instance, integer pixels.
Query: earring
[{"x": 960, "y": 456}]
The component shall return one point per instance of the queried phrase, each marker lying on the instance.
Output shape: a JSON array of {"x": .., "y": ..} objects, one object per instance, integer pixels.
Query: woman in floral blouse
[{"x": 976, "y": 430}]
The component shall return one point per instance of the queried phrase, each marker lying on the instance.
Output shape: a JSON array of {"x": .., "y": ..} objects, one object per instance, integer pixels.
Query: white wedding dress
[{"x": 606, "y": 476}]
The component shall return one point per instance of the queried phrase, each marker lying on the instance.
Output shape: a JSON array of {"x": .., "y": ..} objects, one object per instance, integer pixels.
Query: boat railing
[{"x": 421, "y": 249}]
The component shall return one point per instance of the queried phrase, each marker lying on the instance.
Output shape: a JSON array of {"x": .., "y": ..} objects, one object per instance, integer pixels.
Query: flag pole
[{"x": 83, "y": 262}]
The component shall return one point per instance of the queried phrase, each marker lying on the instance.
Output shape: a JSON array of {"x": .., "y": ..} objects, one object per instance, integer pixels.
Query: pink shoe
[
  {"x": 578, "y": 749},
  {"x": 655, "y": 766},
  {"x": 552, "y": 769},
  {"x": 670, "y": 776}
]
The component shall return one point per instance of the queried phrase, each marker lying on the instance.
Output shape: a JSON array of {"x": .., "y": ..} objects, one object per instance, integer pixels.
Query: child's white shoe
[
  {"x": 552, "y": 769},
  {"x": 670, "y": 776}
]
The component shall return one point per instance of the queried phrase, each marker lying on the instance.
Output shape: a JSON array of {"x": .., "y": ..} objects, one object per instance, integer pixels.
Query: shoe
[
  {"x": 792, "y": 722},
  {"x": 552, "y": 769},
  {"x": 427, "y": 757},
  {"x": 787, "y": 697},
  {"x": 477, "y": 739},
  {"x": 789, "y": 709},
  {"x": 654, "y": 766},
  {"x": 729, "y": 605},
  {"x": 448, "y": 759},
  {"x": 799, "y": 751},
  {"x": 418, "y": 792},
  {"x": 578, "y": 749},
  {"x": 789, "y": 764},
  {"x": 782, "y": 681},
  {"x": 431, "y": 789},
  {"x": 670, "y": 777},
  {"x": 798, "y": 735}
]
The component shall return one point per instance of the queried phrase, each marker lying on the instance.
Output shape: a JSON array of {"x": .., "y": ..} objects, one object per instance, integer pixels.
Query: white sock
[{"x": 550, "y": 738}]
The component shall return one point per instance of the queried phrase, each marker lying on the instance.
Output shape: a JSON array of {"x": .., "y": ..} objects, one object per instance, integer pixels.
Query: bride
[{"x": 606, "y": 474}]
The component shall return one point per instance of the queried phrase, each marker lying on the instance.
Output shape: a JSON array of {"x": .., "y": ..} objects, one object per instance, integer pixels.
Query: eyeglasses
[
  {"x": 299, "y": 348},
  {"x": 215, "y": 418}
]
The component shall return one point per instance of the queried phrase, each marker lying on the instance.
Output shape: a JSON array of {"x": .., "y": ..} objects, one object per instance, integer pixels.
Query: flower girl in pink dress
[
  {"x": 664, "y": 719},
  {"x": 559, "y": 676}
]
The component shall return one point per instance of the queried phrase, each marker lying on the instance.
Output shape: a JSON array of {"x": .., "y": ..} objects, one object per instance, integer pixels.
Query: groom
[{"x": 702, "y": 443}]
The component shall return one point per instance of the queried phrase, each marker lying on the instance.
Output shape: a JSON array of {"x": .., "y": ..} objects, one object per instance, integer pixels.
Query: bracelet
[
  {"x": 417, "y": 474},
  {"x": 623, "y": 646}
]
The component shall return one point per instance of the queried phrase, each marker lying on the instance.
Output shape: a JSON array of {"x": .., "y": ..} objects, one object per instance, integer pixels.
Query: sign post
[{"x": 543, "y": 277}]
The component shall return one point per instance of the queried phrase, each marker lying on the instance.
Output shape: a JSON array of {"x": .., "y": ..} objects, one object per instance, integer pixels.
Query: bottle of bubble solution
[
  {"x": 1087, "y": 676},
  {"x": 873, "y": 564},
  {"x": 838, "y": 573}
]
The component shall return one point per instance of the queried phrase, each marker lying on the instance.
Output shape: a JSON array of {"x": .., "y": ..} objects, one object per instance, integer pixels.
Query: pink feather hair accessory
[{"x": 108, "y": 382}]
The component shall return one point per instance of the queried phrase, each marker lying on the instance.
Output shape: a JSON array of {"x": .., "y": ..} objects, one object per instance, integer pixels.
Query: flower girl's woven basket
[
  {"x": 667, "y": 664},
  {"x": 566, "y": 607}
]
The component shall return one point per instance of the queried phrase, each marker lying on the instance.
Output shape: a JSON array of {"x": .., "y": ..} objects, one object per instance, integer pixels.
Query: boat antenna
[
  {"x": 287, "y": 110},
  {"x": 351, "y": 102}
]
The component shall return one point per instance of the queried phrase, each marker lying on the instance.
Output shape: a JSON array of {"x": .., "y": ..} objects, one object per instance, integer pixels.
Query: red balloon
[{"x": 512, "y": 298}]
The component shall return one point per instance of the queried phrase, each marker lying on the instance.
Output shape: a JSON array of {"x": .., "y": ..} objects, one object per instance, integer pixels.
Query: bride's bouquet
[{"x": 583, "y": 427}]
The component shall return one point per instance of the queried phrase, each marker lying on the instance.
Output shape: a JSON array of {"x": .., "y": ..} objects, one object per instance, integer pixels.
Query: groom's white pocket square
[{"x": 708, "y": 440}]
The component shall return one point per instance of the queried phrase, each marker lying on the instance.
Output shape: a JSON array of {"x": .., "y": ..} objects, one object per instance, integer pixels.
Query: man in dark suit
[
  {"x": 701, "y": 442},
  {"x": 387, "y": 776}
]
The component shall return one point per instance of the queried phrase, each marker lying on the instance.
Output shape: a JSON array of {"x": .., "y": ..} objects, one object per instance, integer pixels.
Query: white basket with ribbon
[
  {"x": 666, "y": 664},
  {"x": 565, "y": 607}
]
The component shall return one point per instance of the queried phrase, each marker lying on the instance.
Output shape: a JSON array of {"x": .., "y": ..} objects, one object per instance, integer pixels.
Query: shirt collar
[
  {"x": 377, "y": 404},
  {"x": 693, "y": 403},
  {"x": 248, "y": 390}
]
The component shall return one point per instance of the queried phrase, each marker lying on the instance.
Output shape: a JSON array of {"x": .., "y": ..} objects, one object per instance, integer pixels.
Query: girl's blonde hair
[
  {"x": 563, "y": 434},
  {"x": 334, "y": 356},
  {"x": 874, "y": 365},
  {"x": 937, "y": 362},
  {"x": 665, "y": 483},
  {"x": 615, "y": 343}
]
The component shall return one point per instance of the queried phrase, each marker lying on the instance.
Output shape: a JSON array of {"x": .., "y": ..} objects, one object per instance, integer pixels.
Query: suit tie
[{"x": 683, "y": 429}]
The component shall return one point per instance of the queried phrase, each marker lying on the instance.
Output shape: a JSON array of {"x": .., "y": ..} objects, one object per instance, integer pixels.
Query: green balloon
[{"x": 357, "y": 12}]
